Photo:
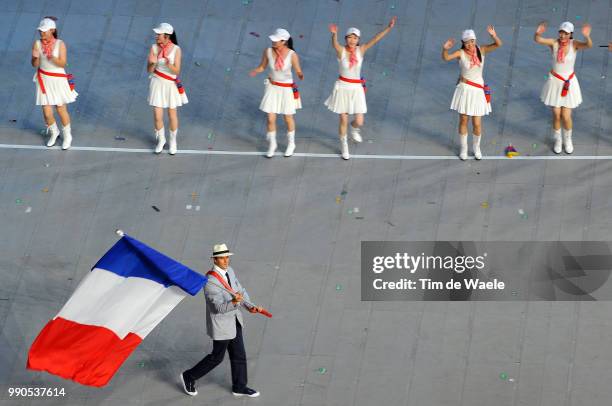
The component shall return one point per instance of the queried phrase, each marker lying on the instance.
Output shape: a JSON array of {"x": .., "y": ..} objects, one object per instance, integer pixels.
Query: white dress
[
  {"x": 279, "y": 99},
  {"x": 467, "y": 99},
  {"x": 57, "y": 89},
  {"x": 348, "y": 97},
  {"x": 163, "y": 92},
  {"x": 551, "y": 92}
]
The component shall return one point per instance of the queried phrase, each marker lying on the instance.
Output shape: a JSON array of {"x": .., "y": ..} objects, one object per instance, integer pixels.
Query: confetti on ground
[
  {"x": 28, "y": 209},
  {"x": 118, "y": 138},
  {"x": 156, "y": 209},
  {"x": 356, "y": 210},
  {"x": 510, "y": 151},
  {"x": 45, "y": 190},
  {"x": 253, "y": 33},
  {"x": 188, "y": 207},
  {"x": 484, "y": 205},
  {"x": 322, "y": 370},
  {"x": 141, "y": 365},
  {"x": 47, "y": 165},
  {"x": 503, "y": 376},
  {"x": 511, "y": 380},
  {"x": 578, "y": 17},
  {"x": 338, "y": 199},
  {"x": 196, "y": 63},
  {"x": 228, "y": 69},
  {"x": 18, "y": 201},
  {"x": 210, "y": 136},
  {"x": 338, "y": 287}
]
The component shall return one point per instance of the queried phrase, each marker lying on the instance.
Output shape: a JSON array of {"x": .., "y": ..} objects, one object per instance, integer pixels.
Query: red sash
[
  {"x": 362, "y": 81},
  {"x": 485, "y": 88},
  {"x": 179, "y": 84},
  {"x": 41, "y": 72},
  {"x": 566, "y": 82},
  {"x": 296, "y": 92},
  {"x": 232, "y": 291}
]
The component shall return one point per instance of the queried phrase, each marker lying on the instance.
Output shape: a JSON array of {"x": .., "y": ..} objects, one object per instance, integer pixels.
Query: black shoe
[
  {"x": 246, "y": 392},
  {"x": 188, "y": 385}
]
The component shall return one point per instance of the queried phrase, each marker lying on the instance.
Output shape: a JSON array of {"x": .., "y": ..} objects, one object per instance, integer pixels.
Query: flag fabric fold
[{"x": 124, "y": 297}]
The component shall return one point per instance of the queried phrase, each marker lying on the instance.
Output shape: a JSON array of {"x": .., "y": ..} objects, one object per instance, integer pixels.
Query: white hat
[
  {"x": 468, "y": 35},
  {"x": 46, "y": 24},
  {"x": 352, "y": 31},
  {"x": 221, "y": 250},
  {"x": 164, "y": 28},
  {"x": 567, "y": 27},
  {"x": 280, "y": 34}
]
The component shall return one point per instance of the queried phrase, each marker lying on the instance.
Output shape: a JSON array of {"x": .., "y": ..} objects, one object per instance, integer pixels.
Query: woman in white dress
[
  {"x": 472, "y": 95},
  {"x": 562, "y": 91},
  {"x": 53, "y": 86},
  {"x": 348, "y": 96},
  {"x": 165, "y": 88},
  {"x": 281, "y": 95}
]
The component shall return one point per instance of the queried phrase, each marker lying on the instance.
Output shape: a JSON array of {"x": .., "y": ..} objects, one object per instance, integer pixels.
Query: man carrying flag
[{"x": 224, "y": 322}]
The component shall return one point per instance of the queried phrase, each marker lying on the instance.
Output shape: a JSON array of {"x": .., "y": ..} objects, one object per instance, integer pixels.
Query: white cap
[
  {"x": 46, "y": 24},
  {"x": 280, "y": 34},
  {"x": 352, "y": 31},
  {"x": 567, "y": 27},
  {"x": 468, "y": 35},
  {"x": 164, "y": 28}
]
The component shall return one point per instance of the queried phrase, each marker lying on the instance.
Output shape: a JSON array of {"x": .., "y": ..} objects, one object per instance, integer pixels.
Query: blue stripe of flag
[{"x": 131, "y": 258}]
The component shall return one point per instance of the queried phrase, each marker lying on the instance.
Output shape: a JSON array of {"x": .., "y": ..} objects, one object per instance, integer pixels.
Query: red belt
[
  {"x": 485, "y": 88},
  {"x": 232, "y": 291},
  {"x": 566, "y": 82},
  {"x": 179, "y": 84},
  {"x": 296, "y": 92},
  {"x": 362, "y": 81},
  {"x": 41, "y": 72}
]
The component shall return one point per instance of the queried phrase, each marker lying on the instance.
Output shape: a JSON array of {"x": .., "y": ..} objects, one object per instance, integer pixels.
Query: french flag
[{"x": 127, "y": 293}]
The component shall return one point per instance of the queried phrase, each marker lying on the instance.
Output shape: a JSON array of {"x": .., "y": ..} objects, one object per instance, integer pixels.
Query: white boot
[
  {"x": 567, "y": 141},
  {"x": 172, "y": 142},
  {"x": 355, "y": 134},
  {"x": 463, "y": 152},
  {"x": 66, "y": 137},
  {"x": 271, "y": 137},
  {"x": 558, "y": 142},
  {"x": 160, "y": 136},
  {"x": 290, "y": 143},
  {"x": 476, "y": 146},
  {"x": 344, "y": 149},
  {"x": 53, "y": 133}
]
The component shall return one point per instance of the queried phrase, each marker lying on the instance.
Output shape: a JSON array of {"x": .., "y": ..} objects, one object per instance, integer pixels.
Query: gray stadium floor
[{"x": 297, "y": 247}]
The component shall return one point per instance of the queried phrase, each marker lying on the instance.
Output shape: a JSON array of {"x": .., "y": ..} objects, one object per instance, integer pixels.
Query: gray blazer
[{"x": 221, "y": 313}]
